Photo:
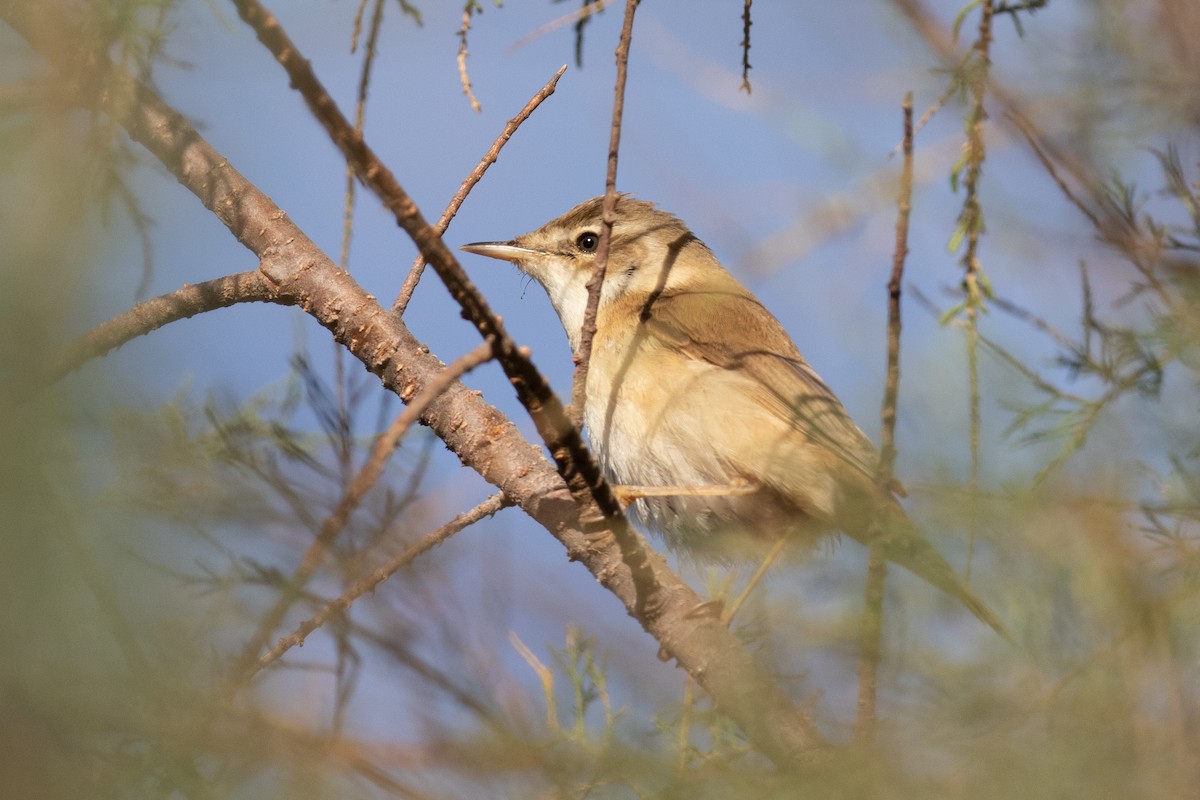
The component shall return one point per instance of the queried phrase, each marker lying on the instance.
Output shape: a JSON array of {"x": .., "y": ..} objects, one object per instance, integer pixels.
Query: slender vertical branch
[
  {"x": 972, "y": 222},
  {"x": 887, "y": 459},
  {"x": 360, "y": 113},
  {"x": 471, "y": 7},
  {"x": 745, "y": 43},
  {"x": 870, "y": 645},
  {"x": 976, "y": 423},
  {"x": 870, "y": 649},
  {"x": 596, "y": 281}
]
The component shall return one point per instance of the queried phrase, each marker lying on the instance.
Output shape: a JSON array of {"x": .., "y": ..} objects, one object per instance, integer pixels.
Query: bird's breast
[{"x": 642, "y": 417}]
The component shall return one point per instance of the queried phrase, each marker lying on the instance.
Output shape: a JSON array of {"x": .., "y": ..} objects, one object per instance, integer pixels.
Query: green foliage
[
  {"x": 961, "y": 17},
  {"x": 1131, "y": 357},
  {"x": 587, "y": 9}
]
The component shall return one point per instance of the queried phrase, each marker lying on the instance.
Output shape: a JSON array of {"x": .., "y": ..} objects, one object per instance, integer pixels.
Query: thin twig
[
  {"x": 463, "y": 77},
  {"x": 1113, "y": 232},
  {"x": 1025, "y": 315},
  {"x": 929, "y": 26},
  {"x": 142, "y": 223},
  {"x": 356, "y": 31},
  {"x": 360, "y": 114},
  {"x": 684, "y": 738},
  {"x": 489, "y": 158},
  {"x": 1048, "y": 152},
  {"x": 1035, "y": 144},
  {"x": 367, "y": 477},
  {"x": 745, "y": 43},
  {"x": 228, "y": 290},
  {"x": 595, "y": 283},
  {"x": 376, "y": 577},
  {"x": 997, "y": 350},
  {"x": 871, "y": 636},
  {"x": 895, "y": 287}
]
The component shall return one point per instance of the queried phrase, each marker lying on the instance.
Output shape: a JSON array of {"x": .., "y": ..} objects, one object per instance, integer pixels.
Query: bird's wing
[{"x": 735, "y": 332}]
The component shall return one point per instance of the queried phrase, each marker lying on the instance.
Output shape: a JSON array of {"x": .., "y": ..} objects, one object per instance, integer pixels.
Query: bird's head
[{"x": 651, "y": 252}]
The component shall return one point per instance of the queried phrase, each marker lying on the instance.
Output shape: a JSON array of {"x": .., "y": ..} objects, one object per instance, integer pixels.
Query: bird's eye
[{"x": 588, "y": 242}]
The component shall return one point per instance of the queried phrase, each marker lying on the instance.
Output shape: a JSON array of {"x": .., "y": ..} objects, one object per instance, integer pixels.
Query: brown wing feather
[{"x": 739, "y": 333}]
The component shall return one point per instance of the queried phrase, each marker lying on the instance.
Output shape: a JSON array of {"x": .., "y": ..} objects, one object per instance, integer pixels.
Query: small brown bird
[{"x": 693, "y": 384}]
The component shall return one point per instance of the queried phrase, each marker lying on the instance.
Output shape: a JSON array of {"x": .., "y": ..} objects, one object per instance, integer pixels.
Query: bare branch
[
  {"x": 895, "y": 286},
  {"x": 242, "y": 287}
]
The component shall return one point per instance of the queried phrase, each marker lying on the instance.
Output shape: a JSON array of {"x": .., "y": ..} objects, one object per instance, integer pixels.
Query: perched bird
[{"x": 693, "y": 384}]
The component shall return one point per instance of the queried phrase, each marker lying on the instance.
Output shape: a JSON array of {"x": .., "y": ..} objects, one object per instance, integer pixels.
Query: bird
[{"x": 693, "y": 385}]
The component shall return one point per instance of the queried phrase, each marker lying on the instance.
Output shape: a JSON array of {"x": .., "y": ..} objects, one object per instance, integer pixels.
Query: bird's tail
[{"x": 903, "y": 544}]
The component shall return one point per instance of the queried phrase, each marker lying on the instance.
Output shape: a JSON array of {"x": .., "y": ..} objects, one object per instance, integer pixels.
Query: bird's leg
[
  {"x": 627, "y": 493},
  {"x": 715, "y": 608},
  {"x": 728, "y": 614}
]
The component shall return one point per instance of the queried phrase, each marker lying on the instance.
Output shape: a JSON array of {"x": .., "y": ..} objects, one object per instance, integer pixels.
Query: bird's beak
[{"x": 505, "y": 251}]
